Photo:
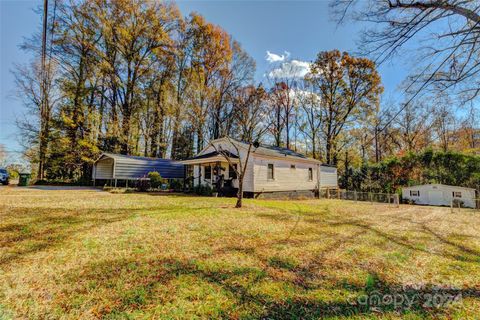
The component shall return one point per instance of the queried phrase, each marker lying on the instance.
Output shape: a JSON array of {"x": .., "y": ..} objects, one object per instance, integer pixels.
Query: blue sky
[{"x": 300, "y": 28}]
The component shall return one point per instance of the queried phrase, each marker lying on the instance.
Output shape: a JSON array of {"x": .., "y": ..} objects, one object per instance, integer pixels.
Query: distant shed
[
  {"x": 440, "y": 195},
  {"x": 112, "y": 166}
]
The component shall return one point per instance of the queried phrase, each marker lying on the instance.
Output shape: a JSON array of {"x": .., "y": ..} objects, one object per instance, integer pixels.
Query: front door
[{"x": 435, "y": 197}]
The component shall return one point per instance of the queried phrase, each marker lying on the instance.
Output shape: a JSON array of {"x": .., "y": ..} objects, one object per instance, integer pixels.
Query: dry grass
[{"x": 84, "y": 254}]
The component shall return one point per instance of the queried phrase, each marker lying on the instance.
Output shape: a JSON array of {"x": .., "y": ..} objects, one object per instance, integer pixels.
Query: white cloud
[
  {"x": 273, "y": 57},
  {"x": 303, "y": 95},
  {"x": 291, "y": 69}
]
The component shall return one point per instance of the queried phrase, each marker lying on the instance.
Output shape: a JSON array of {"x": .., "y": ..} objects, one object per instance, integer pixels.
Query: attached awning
[{"x": 210, "y": 157}]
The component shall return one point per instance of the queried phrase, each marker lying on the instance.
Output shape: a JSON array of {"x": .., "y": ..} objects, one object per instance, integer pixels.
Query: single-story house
[
  {"x": 271, "y": 171},
  {"x": 113, "y": 167},
  {"x": 440, "y": 195}
]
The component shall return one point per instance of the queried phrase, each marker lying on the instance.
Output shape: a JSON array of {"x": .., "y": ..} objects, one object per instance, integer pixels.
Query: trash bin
[{"x": 24, "y": 179}]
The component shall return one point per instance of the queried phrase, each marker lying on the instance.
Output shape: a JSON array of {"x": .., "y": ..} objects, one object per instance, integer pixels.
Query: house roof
[
  {"x": 328, "y": 165},
  {"x": 213, "y": 154},
  {"x": 438, "y": 184},
  {"x": 271, "y": 151},
  {"x": 127, "y": 166},
  {"x": 129, "y": 157}
]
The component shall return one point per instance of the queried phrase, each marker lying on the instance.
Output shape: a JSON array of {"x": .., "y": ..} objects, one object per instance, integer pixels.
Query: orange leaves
[
  {"x": 211, "y": 45},
  {"x": 349, "y": 88}
]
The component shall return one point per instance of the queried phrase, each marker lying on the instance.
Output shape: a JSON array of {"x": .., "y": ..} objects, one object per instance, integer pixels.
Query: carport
[{"x": 113, "y": 167}]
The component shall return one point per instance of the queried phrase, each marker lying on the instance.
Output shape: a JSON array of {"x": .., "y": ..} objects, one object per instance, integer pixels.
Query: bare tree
[
  {"x": 3, "y": 155},
  {"x": 443, "y": 122},
  {"x": 250, "y": 110},
  {"x": 445, "y": 35},
  {"x": 414, "y": 123},
  {"x": 40, "y": 95},
  {"x": 310, "y": 116},
  {"x": 349, "y": 88},
  {"x": 284, "y": 80},
  {"x": 471, "y": 128}
]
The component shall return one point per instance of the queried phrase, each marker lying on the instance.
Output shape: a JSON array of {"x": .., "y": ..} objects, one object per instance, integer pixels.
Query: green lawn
[{"x": 85, "y": 254}]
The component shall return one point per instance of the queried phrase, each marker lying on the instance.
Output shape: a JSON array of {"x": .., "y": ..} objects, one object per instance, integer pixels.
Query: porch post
[
  {"x": 199, "y": 174},
  {"x": 184, "y": 176}
]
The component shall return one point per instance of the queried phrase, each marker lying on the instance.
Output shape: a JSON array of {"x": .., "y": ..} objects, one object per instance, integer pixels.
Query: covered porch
[{"x": 214, "y": 171}]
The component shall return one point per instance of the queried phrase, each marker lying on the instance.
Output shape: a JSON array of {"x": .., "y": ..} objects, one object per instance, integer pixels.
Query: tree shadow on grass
[
  {"x": 474, "y": 254},
  {"x": 18, "y": 240},
  {"x": 241, "y": 285},
  {"x": 458, "y": 252},
  {"x": 52, "y": 228},
  {"x": 463, "y": 253}
]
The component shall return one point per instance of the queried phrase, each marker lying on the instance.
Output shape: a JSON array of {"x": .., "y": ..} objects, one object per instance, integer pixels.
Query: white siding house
[
  {"x": 439, "y": 195},
  {"x": 271, "y": 171}
]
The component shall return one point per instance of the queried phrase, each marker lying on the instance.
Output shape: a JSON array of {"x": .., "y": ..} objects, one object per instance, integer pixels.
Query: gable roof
[
  {"x": 118, "y": 156},
  {"x": 269, "y": 151},
  {"x": 438, "y": 184},
  {"x": 213, "y": 154}
]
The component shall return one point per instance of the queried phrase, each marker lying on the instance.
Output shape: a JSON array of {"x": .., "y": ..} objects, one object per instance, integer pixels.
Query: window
[
  {"x": 310, "y": 174},
  {"x": 292, "y": 166},
  {"x": 456, "y": 194},
  {"x": 270, "y": 172},
  {"x": 231, "y": 172},
  {"x": 208, "y": 173},
  {"x": 414, "y": 193}
]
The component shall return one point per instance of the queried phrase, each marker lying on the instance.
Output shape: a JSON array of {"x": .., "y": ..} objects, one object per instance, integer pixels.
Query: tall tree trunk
[
  {"x": 377, "y": 151},
  {"x": 199, "y": 140},
  {"x": 154, "y": 134},
  {"x": 162, "y": 147},
  {"x": 314, "y": 151},
  {"x": 216, "y": 123},
  {"x": 176, "y": 135},
  {"x": 328, "y": 150},
  {"x": 125, "y": 142},
  {"x": 347, "y": 173},
  {"x": 239, "y": 194},
  {"x": 278, "y": 133},
  {"x": 287, "y": 127}
]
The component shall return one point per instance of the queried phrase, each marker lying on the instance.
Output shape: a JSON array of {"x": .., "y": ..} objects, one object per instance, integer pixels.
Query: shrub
[
  {"x": 202, "y": 190},
  {"x": 143, "y": 185},
  {"x": 156, "y": 179},
  {"x": 41, "y": 183},
  {"x": 409, "y": 201},
  {"x": 176, "y": 185},
  {"x": 118, "y": 190},
  {"x": 12, "y": 173}
]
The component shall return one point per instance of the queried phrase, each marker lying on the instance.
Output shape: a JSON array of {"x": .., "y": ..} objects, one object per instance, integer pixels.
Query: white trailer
[{"x": 440, "y": 195}]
